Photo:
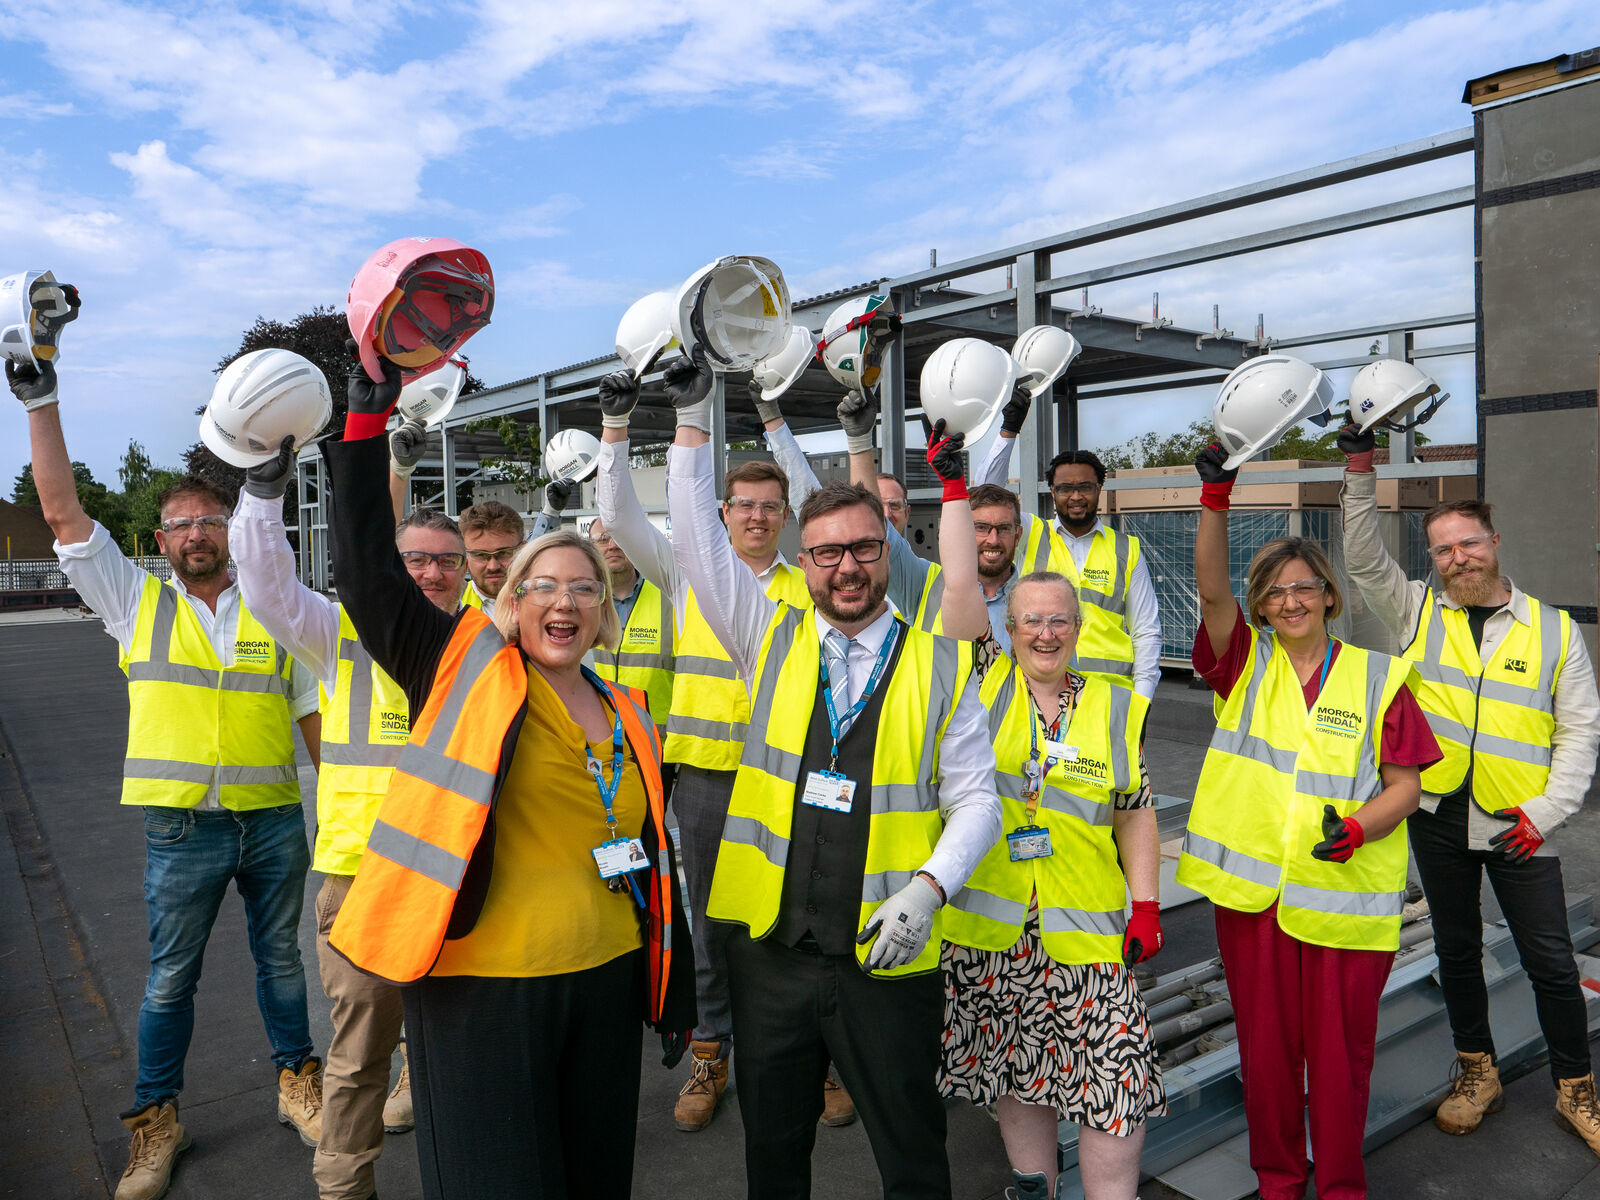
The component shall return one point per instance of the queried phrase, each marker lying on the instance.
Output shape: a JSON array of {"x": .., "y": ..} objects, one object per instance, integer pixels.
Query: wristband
[
  {"x": 1360, "y": 462},
  {"x": 1216, "y": 496},
  {"x": 954, "y": 489},
  {"x": 937, "y": 887},
  {"x": 858, "y": 443},
  {"x": 359, "y": 426},
  {"x": 697, "y": 415}
]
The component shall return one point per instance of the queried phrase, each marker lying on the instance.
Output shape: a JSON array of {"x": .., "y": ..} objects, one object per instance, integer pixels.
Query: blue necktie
[{"x": 837, "y": 647}]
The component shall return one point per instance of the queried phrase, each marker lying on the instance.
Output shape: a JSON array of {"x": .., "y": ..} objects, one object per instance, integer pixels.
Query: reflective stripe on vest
[
  {"x": 365, "y": 723},
  {"x": 1105, "y": 645},
  {"x": 930, "y": 618},
  {"x": 904, "y": 823},
  {"x": 395, "y": 917},
  {"x": 1494, "y": 718},
  {"x": 1080, "y": 886},
  {"x": 192, "y": 720},
  {"x": 710, "y": 703},
  {"x": 645, "y": 657},
  {"x": 1258, "y": 808}
]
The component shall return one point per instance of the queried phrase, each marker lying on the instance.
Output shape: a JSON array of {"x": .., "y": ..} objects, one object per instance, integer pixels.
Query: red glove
[
  {"x": 944, "y": 457},
  {"x": 1216, "y": 480},
  {"x": 1143, "y": 939},
  {"x": 1520, "y": 841},
  {"x": 1341, "y": 837}
]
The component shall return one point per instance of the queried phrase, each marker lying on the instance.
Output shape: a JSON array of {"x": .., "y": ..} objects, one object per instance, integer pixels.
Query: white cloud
[
  {"x": 787, "y": 161},
  {"x": 542, "y": 220}
]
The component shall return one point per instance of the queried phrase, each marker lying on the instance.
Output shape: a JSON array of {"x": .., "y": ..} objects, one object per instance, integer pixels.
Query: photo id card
[
  {"x": 1030, "y": 841},
  {"x": 829, "y": 790},
  {"x": 619, "y": 856}
]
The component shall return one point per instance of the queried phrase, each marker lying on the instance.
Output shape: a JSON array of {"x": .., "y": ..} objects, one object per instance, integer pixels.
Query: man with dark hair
[
  {"x": 212, "y": 699},
  {"x": 833, "y": 901},
  {"x": 1121, "y": 634},
  {"x": 1509, "y": 692}
]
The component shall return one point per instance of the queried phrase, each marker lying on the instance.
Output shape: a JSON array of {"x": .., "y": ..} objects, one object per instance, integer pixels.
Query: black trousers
[
  {"x": 1533, "y": 901},
  {"x": 526, "y": 1088},
  {"x": 792, "y": 1012}
]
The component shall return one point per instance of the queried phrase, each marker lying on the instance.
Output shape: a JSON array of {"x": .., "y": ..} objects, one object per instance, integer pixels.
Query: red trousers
[{"x": 1308, "y": 1020}]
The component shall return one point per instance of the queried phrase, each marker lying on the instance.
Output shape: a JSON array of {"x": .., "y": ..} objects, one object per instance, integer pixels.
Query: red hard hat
[{"x": 416, "y": 302}]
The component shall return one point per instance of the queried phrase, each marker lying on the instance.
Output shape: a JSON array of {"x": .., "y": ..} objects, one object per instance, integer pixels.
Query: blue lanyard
[
  {"x": 608, "y": 792},
  {"x": 834, "y": 723},
  {"x": 1327, "y": 661},
  {"x": 1035, "y": 781}
]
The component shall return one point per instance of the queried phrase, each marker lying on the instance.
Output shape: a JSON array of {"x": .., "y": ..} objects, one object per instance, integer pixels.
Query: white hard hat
[
  {"x": 777, "y": 373},
  {"x": 430, "y": 398},
  {"x": 1043, "y": 354},
  {"x": 645, "y": 332},
  {"x": 571, "y": 455},
  {"x": 260, "y": 399},
  {"x": 737, "y": 308},
  {"x": 1263, "y": 399},
  {"x": 27, "y": 300},
  {"x": 853, "y": 339},
  {"x": 966, "y": 382},
  {"x": 1385, "y": 392}
]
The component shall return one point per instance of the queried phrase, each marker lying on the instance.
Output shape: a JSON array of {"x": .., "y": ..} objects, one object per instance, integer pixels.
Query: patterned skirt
[{"x": 1075, "y": 1038}]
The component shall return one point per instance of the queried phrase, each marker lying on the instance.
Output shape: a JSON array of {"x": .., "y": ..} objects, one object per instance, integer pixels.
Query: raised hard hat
[
  {"x": 1387, "y": 391},
  {"x": 853, "y": 338},
  {"x": 644, "y": 335},
  {"x": 1043, "y": 354},
  {"x": 416, "y": 301},
  {"x": 430, "y": 398},
  {"x": 777, "y": 374},
  {"x": 571, "y": 455},
  {"x": 1262, "y": 399},
  {"x": 260, "y": 399},
  {"x": 965, "y": 383},
  {"x": 33, "y": 308},
  {"x": 737, "y": 308}
]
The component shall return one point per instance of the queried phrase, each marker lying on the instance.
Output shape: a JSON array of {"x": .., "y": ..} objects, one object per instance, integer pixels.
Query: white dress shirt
[
  {"x": 112, "y": 585},
  {"x": 306, "y": 622},
  {"x": 739, "y": 612}
]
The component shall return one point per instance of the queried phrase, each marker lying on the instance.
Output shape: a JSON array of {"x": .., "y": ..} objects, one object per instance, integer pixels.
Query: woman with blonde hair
[
  {"x": 1297, "y": 837},
  {"x": 502, "y": 884}
]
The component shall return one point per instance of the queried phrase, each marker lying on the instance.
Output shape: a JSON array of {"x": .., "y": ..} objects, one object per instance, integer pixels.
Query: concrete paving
[{"x": 73, "y": 961}]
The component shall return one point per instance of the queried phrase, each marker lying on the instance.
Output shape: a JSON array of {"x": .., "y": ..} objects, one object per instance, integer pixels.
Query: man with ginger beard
[{"x": 1509, "y": 692}]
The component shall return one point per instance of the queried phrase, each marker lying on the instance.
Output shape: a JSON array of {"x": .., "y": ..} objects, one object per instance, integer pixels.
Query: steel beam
[
  {"x": 1367, "y": 331},
  {"x": 1331, "y": 474}
]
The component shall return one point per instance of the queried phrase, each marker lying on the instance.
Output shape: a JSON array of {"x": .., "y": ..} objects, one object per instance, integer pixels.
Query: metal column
[
  {"x": 1027, "y": 457},
  {"x": 719, "y": 429},
  {"x": 1400, "y": 346},
  {"x": 449, "y": 451},
  {"x": 892, "y": 401}
]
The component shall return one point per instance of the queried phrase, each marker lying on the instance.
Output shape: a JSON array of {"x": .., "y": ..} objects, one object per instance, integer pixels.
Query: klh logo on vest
[{"x": 1519, "y": 665}]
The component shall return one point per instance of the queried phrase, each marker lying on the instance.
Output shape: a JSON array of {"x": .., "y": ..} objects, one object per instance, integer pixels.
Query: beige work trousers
[{"x": 355, "y": 1076}]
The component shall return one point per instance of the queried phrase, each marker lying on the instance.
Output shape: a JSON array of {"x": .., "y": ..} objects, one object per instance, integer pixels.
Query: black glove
[
  {"x": 619, "y": 393},
  {"x": 1341, "y": 837},
  {"x": 673, "y": 1046},
  {"x": 407, "y": 446},
  {"x": 858, "y": 417},
  {"x": 1015, "y": 413},
  {"x": 1209, "y": 463},
  {"x": 558, "y": 494},
  {"x": 369, "y": 403},
  {"x": 767, "y": 410},
  {"x": 688, "y": 382},
  {"x": 1352, "y": 441},
  {"x": 269, "y": 479},
  {"x": 34, "y": 387},
  {"x": 944, "y": 453}
]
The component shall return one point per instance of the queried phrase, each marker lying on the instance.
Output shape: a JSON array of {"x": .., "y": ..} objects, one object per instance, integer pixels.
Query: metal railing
[{"x": 45, "y": 574}]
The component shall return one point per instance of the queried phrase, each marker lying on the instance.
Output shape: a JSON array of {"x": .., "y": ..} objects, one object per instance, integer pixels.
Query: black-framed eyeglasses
[
  {"x": 418, "y": 560},
  {"x": 831, "y": 554},
  {"x": 1074, "y": 489},
  {"x": 983, "y": 529}
]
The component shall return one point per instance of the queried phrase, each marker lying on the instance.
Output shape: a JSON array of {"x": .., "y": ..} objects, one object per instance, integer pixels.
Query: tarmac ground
[{"x": 74, "y": 957}]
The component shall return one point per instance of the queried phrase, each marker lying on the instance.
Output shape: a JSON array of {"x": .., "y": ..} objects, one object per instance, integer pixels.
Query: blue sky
[{"x": 191, "y": 166}]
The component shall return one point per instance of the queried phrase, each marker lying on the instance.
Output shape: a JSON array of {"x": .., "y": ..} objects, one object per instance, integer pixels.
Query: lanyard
[
  {"x": 1327, "y": 661},
  {"x": 834, "y": 723},
  {"x": 1031, "y": 770},
  {"x": 608, "y": 792}
]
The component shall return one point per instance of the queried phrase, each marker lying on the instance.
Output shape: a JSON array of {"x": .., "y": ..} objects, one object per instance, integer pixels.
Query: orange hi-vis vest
[{"x": 398, "y": 912}]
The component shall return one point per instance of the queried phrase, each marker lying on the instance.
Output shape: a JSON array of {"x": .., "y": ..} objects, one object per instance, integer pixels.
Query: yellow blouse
[{"x": 547, "y": 911}]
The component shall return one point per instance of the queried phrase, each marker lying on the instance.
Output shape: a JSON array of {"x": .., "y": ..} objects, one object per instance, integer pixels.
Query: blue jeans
[{"x": 190, "y": 857}]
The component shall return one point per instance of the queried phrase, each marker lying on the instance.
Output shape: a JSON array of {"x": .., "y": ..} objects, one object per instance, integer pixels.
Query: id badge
[
  {"x": 620, "y": 856},
  {"x": 1030, "y": 841},
  {"x": 1061, "y": 752},
  {"x": 829, "y": 790}
]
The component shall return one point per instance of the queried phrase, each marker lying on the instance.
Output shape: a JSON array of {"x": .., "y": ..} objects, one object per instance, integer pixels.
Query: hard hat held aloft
[
  {"x": 965, "y": 383},
  {"x": 737, "y": 308},
  {"x": 260, "y": 399},
  {"x": 572, "y": 455},
  {"x": 33, "y": 308},
  {"x": 644, "y": 335},
  {"x": 1262, "y": 399},
  {"x": 1385, "y": 392},
  {"x": 1043, "y": 354},
  {"x": 853, "y": 338},
  {"x": 430, "y": 398},
  {"x": 778, "y": 374},
  {"x": 416, "y": 302}
]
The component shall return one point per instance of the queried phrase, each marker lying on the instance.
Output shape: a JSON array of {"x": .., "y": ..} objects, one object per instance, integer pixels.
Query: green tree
[
  {"x": 135, "y": 469},
  {"x": 522, "y": 464},
  {"x": 92, "y": 493},
  {"x": 143, "y": 515}
]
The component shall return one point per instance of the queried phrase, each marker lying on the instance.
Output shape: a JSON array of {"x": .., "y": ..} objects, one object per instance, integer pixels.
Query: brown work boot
[
  {"x": 708, "y": 1079},
  {"x": 837, "y": 1107},
  {"x": 300, "y": 1099},
  {"x": 397, "y": 1114},
  {"x": 1577, "y": 1110},
  {"x": 158, "y": 1139},
  {"x": 1476, "y": 1093}
]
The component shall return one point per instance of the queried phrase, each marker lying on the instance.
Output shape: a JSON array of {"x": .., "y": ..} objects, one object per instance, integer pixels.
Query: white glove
[
  {"x": 406, "y": 447},
  {"x": 902, "y": 923}
]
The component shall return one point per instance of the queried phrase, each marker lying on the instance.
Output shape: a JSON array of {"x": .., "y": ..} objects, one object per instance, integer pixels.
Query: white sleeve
[
  {"x": 786, "y": 450},
  {"x": 304, "y": 621},
  {"x": 1144, "y": 626},
  {"x": 730, "y": 597},
  {"x": 542, "y": 524},
  {"x": 304, "y": 695},
  {"x": 997, "y": 466},
  {"x": 967, "y": 799},
  {"x": 106, "y": 580},
  {"x": 624, "y": 517},
  {"x": 1576, "y": 708},
  {"x": 1394, "y": 599}
]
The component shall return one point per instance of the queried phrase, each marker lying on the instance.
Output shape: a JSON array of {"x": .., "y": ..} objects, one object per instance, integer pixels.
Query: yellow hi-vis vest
[
  {"x": 190, "y": 718},
  {"x": 710, "y": 705},
  {"x": 365, "y": 723},
  {"x": 1105, "y": 647},
  {"x": 1041, "y": 550},
  {"x": 1257, "y": 809},
  {"x": 905, "y": 824},
  {"x": 1081, "y": 889},
  {"x": 1495, "y": 718},
  {"x": 471, "y": 597},
  {"x": 644, "y": 659}
]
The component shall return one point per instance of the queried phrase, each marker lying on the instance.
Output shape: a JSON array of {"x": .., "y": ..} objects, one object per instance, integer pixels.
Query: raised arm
[
  {"x": 961, "y": 609},
  {"x": 52, "y": 468},
  {"x": 407, "y": 445},
  {"x": 1218, "y": 608},
  {"x": 647, "y": 547},
  {"x": 785, "y": 450},
  {"x": 996, "y": 466},
  {"x": 1381, "y": 580}
]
